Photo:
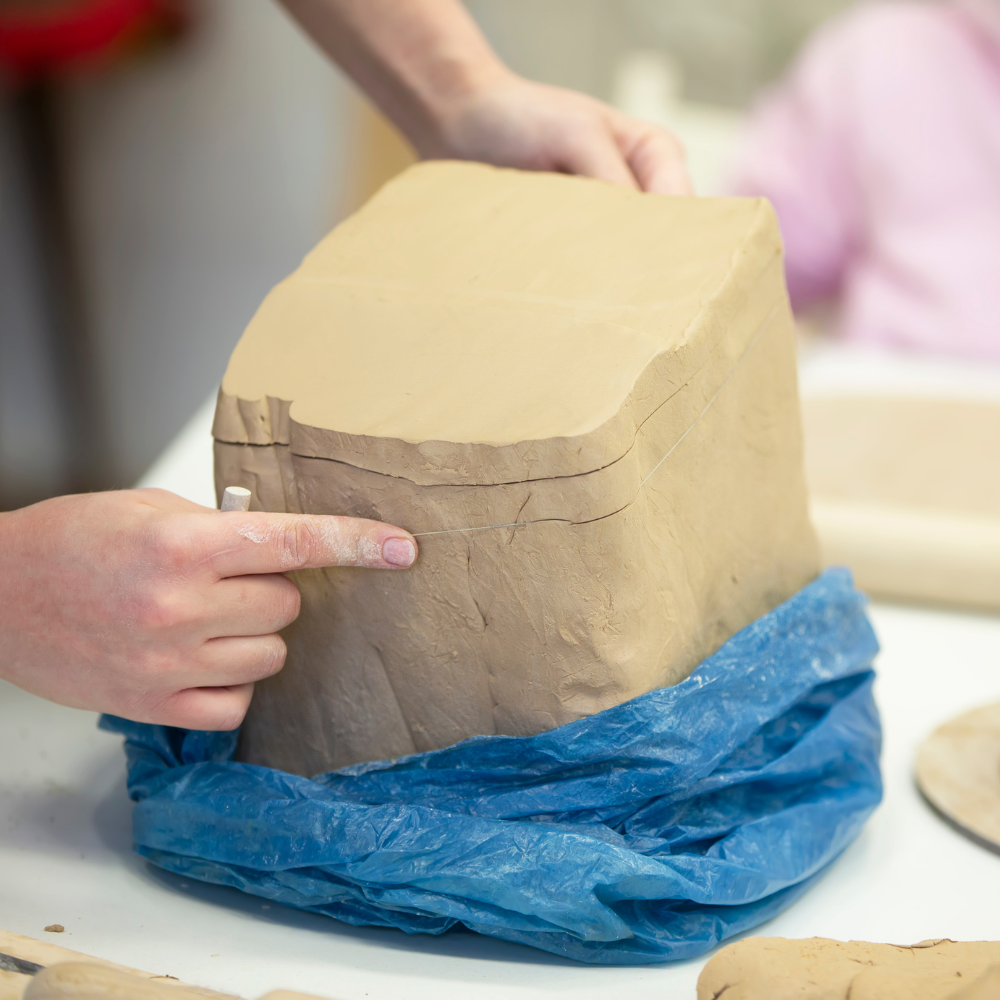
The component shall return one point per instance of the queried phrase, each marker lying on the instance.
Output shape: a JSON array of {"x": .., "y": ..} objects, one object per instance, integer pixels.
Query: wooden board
[
  {"x": 13, "y": 985},
  {"x": 906, "y": 491}
]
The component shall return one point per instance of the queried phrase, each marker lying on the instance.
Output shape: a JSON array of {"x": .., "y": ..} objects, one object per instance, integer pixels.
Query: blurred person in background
[
  {"x": 880, "y": 152},
  {"x": 144, "y": 604}
]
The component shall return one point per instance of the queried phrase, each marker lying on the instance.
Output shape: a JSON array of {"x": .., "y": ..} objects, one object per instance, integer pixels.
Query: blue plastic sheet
[{"x": 645, "y": 833}]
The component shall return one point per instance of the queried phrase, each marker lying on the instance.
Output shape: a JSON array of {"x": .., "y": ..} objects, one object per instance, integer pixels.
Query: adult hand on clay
[
  {"x": 430, "y": 69},
  {"x": 151, "y": 607},
  {"x": 512, "y": 122}
]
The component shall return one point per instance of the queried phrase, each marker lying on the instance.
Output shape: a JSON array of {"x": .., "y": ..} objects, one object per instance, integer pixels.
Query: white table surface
[{"x": 65, "y": 852}]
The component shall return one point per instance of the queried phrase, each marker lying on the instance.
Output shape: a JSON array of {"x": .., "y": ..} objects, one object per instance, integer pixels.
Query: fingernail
[{"x": 399, "y": 551}]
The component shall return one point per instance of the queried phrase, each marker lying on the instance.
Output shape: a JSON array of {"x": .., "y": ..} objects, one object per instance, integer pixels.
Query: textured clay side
[
  {"x": 518, "y": 630},
  {"x": 759, "y": 968}
]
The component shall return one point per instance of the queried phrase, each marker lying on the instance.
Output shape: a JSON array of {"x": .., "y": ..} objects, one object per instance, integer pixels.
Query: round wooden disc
[{"x": 958, "y": 771}]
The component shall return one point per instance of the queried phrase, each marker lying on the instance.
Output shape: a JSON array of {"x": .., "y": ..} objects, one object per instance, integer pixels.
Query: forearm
[
  {"x": 429, "y": 68},
  {"x": 417, "y": 59}
]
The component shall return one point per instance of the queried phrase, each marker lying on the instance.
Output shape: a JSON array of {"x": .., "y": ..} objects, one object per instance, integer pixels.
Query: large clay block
[
  {"x": 581, "y": 398},
  {"x": 760, "y": 968}
]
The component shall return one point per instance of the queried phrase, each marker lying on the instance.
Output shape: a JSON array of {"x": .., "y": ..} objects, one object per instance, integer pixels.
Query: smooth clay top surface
[{"x": 469, "y": 304}]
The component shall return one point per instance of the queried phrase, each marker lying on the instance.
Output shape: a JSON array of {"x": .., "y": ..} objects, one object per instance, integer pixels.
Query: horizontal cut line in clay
[
  {"x": 672, "y": 449},
  {"x": 507, "y": 482},
  {"x": 521, "y": 482}
]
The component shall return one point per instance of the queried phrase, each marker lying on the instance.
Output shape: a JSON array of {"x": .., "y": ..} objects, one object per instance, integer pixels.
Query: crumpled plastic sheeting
[{"x": 645, "y": 833}]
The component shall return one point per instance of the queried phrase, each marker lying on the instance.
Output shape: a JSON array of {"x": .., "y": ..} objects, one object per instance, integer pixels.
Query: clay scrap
[
  {"x": 581, "y": 398},
  {"x": 958, "y": 771},
  {"x": 760, "y": 968}
]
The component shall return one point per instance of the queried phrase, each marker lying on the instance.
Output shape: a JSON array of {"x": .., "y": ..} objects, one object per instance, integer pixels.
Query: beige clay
[
  {"x": 760, "y": 968},
  {"x": 986, "y": 987},
  {"x": 958, "y": 770},
  {"x": 481, "y": 347}
]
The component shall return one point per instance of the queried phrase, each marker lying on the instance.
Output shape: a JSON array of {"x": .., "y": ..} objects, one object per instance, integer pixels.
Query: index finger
[{"x": 278, "y": 543}]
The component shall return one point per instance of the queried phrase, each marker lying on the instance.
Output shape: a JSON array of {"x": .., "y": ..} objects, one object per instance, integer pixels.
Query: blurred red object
[
  {"x": 50, "y": 36},
  {"x": 43, "y": 44}
]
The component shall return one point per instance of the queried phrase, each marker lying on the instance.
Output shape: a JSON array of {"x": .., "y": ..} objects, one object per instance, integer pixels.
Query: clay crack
[
  {"x": 562, "y": 520},
  {"x": 486, "y": 624},
  {"x": 541, "y": 479},
  {"x": 517, "y": 520},
  {"x": 673, "y": 448}
]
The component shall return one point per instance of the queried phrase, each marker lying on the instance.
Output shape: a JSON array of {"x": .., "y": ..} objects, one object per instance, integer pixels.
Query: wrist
[{"x": 448, "y": 85}]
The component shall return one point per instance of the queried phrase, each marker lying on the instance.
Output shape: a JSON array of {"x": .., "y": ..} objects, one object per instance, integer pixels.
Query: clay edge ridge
[{"x": 267, "y": 421}]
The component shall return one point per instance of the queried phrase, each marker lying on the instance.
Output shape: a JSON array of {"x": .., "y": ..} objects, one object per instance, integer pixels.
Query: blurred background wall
[{"x": 197, "y": 174}]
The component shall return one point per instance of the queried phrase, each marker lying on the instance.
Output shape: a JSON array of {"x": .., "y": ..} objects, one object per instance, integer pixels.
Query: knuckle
[
  {"x": 191, "y": 708},
  {"x": 227, "y": 716},
  {"x": 581, "y": 121},
  {"x": 173, "y": 549},
  {"x": 145, "y": 704},
  {"x": 302, "y": 542},
  {"x": 153, "y": 663},
  {"x": 157, "y": 676},
  {"x": 651, "y": 140},
  {"x": 674, "y": 145},
  {"x": 582, "y": 135},
  {"x": 160, "y": 609},
  {"x": 291, "y": 541},
  {"x": 183, "y": 717}
]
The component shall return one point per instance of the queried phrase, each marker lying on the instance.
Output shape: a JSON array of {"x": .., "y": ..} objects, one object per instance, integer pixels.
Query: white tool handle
[{"x": 235, "y": 498}]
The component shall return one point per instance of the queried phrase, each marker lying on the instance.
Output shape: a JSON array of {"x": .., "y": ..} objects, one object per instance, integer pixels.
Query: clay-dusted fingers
[
  {"x": 280, "y": 543},
  {"x": 211, "y": 708}
]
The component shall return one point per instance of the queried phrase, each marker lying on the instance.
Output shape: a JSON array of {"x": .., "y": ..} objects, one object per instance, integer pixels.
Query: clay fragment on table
[
  {"x": 761, "y": 968},
  {"x": 958, "y": 771},
  {"x": 480, "y": 347}
]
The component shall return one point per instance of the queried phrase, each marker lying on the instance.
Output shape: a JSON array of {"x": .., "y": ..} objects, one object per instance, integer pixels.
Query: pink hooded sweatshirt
[{"x": 881, "y": 155}]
